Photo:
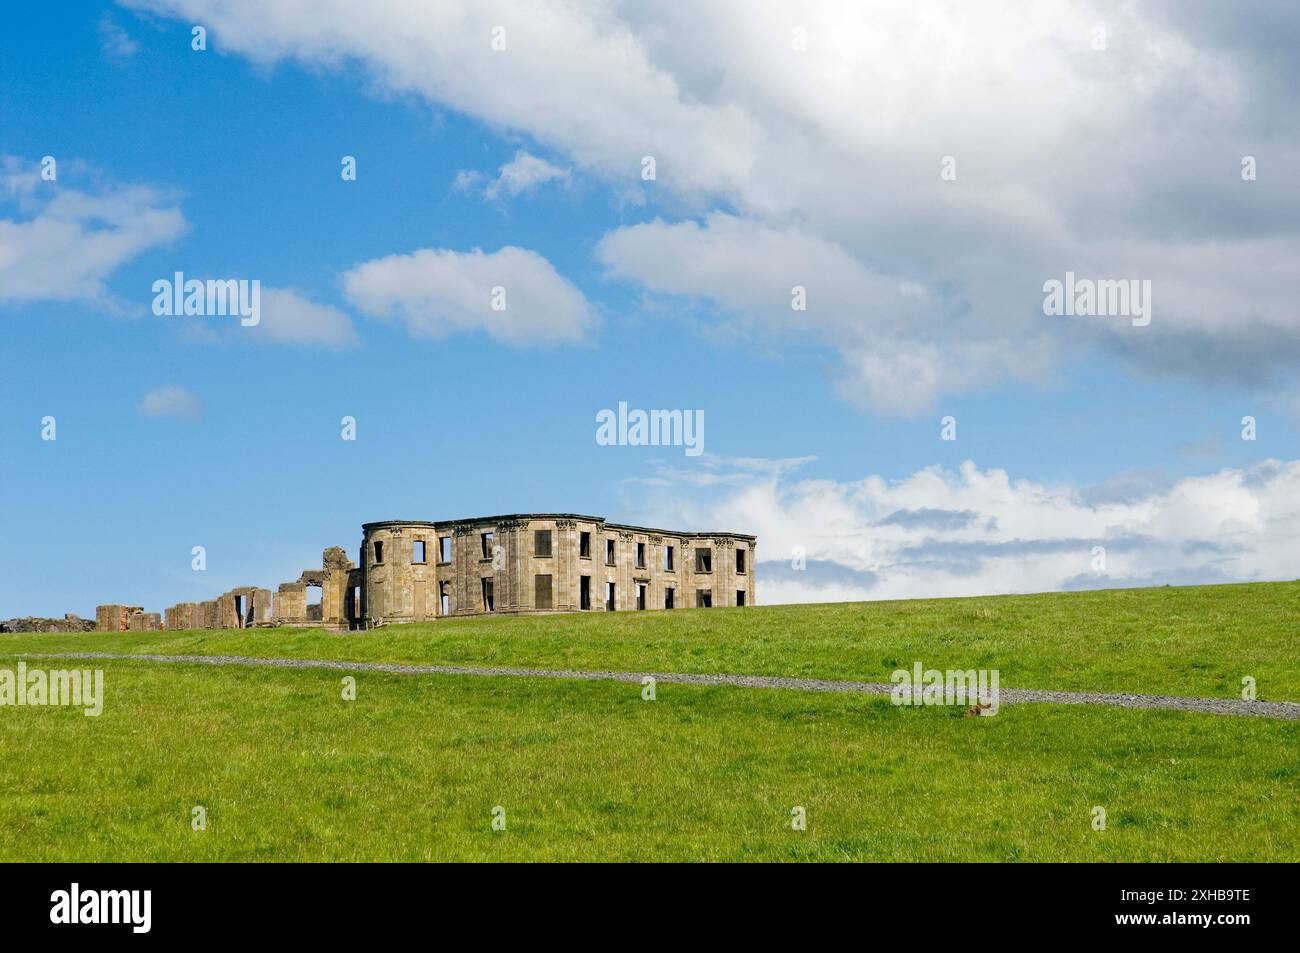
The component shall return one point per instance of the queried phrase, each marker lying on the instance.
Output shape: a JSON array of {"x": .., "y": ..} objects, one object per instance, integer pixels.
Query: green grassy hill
[
  {"x": 1199, "y": 640},
  {"x": 286, "y": 769}
]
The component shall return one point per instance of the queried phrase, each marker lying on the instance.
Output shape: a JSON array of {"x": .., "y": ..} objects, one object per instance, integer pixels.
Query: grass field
[
  {"x": 412, "y": 769},
  {"x": 288, "y": 770},
  {"x": 1178, "y": 641}
]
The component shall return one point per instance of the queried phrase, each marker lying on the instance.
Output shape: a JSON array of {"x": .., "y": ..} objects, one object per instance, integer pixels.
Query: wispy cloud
[
  {"x": 521, "y": 174},
  {"x": 712, "y": 470},
  {"x": 169, "y": 401},
  {"x": 116, "y": 43},
  {"x": 68, "y": 241},
  {"x": 289, "y": 317}
]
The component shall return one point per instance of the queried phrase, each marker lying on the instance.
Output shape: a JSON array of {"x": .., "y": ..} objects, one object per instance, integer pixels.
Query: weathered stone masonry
[
  {"x": 415, "y": 570},
  {"x": 336, "y": 578},
  {"x": 537, "y": 563}
]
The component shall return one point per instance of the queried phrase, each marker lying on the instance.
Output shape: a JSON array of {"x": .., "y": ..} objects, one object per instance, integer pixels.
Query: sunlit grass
[
  {"x": 411, "y": 770},
  {"x": 1199, "y": 641}
]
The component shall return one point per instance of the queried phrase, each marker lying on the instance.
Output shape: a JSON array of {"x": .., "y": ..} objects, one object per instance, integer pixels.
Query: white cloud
[
  {"x": 576, "y": 77},
  {"x": 898, "y": 343},
  {"x": 68, "y": 242},
  {"x": 290, "y": 318},
  {"x": 970, "y": 532},
  {"x": 286, "y": 317},
  {"x": 169, "y": 402},
  {"x": 1118, "y": 163},
  {"x": 116, "y": 43},
  {"x": 522, "y": 173},
  {"x": 437, "y": 292}
]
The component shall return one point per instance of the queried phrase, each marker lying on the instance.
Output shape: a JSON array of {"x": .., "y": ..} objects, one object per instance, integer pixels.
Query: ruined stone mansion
[{"x": 414, "y": 571}]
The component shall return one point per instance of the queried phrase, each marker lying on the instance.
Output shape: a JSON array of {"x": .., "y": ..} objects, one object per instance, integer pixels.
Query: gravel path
[{"x": 1289, "y": 711}]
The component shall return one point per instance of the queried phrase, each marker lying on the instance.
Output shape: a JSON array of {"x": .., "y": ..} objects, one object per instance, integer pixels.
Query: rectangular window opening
[
  {"x": 640, "y": 555},
  {"x": 489, "y": 603},
  {"x": 609, "y": 597},
  {"x": 668, "y": 598},
  {"x": 704, "y": 560},
  {"x": 379, "y": 552},
  {"x": 542, "y": 592},
  {"x": 740, "y": 560},
  {"x": 641, "y": 595},
  {"x": 584, "y": 592},
  {"x": 417, "y": 551},
  {"x": 609, "y": 552},
  {"x": 444, "y": 549},
  {"x": 584, "y": 545},
  {"x": 542, "y": 542},
  {"x": 740, "y": 597},
  {"x": 314, "y": 595},
  {"x": 485, "y": 540},
  {"x": 668, "y": 559},
  {"x": 704, "y": 599}
]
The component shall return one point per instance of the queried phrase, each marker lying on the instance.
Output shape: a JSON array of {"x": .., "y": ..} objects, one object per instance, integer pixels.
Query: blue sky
[{"x": 239, "y": 148}]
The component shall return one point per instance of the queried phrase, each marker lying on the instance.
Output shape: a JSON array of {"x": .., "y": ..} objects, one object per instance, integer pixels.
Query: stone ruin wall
[
  {"x": 246, "y": 607},
  {"x": 115, "y": 618},
  {"x": 145, "y": 622},
  {"x": 183, "y": 615},
  {"x": 337, "y": 578},
  {"x": 524, "y": 576}
]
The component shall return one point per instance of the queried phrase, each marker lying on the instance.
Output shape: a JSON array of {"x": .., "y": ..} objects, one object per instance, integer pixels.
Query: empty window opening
[
  {"x": 668, "y": 598},
  {"x": 740, "y": 560},
  {"x": 703, "y": 599},
  {"x": 609, "y": 552},
  {"x": 542, "y": 542},
  {"x": 314, "y": 595},
  {"x": 444, "y": 600},
  {"x": 584, "y": 592},
  {"x": 542, "y": 592},
  {"x": 243, "y": 612},
  {"x": 740, "y": 597},
  {"x": 704, "y": 560},
  {"x": 489, "y": 603},
  {"x": 486, "y": 541},
  {"x": 379, "y": 552},
  {"x": 609, "y": 597},
  {"x": 444, "y": 549},
  {"x": 584, "y": 545},
  {"x": 417, "y": 551},
  {"x": 354, "y": 604},
  {"x": 641, "y": 595},
  {"x": 640, "y": 555},
  {"x": 668, "y": 558}
]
